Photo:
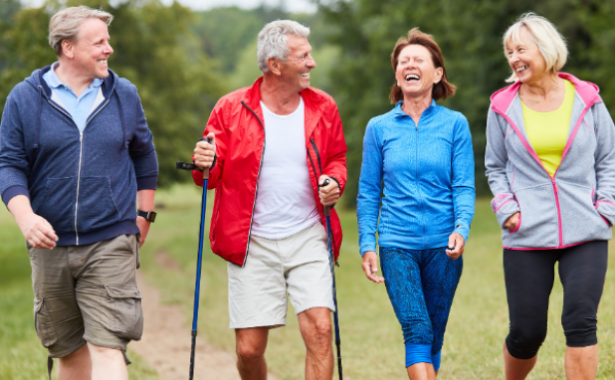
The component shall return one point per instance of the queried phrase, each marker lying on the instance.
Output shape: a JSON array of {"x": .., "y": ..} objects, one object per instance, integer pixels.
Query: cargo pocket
[
  {"x": 42, "y": 322},
  {"x": 126, "y": 317}
]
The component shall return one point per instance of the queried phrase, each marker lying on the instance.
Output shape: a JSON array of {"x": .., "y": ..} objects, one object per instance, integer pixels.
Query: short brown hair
[{"x": 442, "y": 89}]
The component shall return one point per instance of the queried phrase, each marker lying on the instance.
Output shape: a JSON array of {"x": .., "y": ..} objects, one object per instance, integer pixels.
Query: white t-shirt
[{"x": 285, "y": 201}]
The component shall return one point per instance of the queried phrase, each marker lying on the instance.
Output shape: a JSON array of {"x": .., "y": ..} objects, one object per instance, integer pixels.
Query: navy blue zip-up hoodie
[{"x": 84, "y": 184}]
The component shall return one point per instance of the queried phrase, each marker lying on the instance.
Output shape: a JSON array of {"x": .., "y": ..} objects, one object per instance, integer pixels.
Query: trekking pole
[
  {"x": 195, "y": 317},
  {"x": 338, "y": 341}
]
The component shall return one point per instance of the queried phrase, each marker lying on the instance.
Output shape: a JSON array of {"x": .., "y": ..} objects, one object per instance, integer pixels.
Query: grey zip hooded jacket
[{"x": 576, "y": 205}]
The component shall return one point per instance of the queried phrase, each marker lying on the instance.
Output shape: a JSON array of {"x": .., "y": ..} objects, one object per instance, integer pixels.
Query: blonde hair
[
  {"x": 550, "y": 42},
  {"x": 65, "y": 24}
]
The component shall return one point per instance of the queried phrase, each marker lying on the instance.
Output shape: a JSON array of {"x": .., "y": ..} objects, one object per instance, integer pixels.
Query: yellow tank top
[{"x": 547, "y": 132}]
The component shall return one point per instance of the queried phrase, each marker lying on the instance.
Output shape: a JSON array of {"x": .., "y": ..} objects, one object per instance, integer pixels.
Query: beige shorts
[
  {"x": 298, "y": 265},
  {"x": 87, "y": 294}
]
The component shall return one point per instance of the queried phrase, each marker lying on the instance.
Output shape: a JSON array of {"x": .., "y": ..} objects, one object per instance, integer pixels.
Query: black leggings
[{"x": 529, "y": 279}]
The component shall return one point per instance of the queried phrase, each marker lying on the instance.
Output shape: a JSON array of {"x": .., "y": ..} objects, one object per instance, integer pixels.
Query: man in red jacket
[{"x": 273, "y": 145}]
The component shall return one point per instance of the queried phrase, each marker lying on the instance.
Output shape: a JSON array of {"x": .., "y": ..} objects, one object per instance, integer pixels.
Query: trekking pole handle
[
  {"x": 180, "y": 165},
  {"x": 327, "y": 209}
]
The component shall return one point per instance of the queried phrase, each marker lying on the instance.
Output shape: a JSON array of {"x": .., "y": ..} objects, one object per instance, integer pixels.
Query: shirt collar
[
  {"x": 55, "y": 82},
  {"x": 398, "y": 112}
]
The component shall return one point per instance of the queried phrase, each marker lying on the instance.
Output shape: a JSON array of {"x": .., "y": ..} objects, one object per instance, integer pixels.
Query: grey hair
[
  {"x": 550, "y": 42},
  {"x": 65, "y": 24},
  {"x": 272, "y": 41}
]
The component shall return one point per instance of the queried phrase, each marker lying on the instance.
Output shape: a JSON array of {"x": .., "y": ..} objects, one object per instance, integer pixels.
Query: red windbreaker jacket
[{"x": 237, "y": 123}]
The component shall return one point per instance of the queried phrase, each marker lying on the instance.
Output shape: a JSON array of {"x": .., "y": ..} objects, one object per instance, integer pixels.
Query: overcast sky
[{"x": 290, "y": 5}]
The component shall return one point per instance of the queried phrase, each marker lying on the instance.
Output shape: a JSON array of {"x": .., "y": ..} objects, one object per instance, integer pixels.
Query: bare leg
[
  {"x": 250, "y": 345},
  {"x": 75, "y": 366},
  {"x": 315, "y": 326},
  {"x": 581, "y": 362},
  {"x": 421, "y": 371},
  {"x": 517, "y": 369},
  {"x": 107, "y": 363}
]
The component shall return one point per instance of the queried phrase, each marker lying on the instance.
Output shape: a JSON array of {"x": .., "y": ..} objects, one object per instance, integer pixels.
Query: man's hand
[
  {"x": 329, "y": 194},
  {"x": 205, "y": 152},
  {"x": 143, "y": 225},
  {"x": 38, "y": 232},
  {"x": 456, "y": 245},
  {"x": 370, "y": 266},
  {"x": 512, "y": 222}
]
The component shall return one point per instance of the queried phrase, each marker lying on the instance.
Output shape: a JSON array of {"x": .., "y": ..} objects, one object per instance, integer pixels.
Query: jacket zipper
[
  {"x": 553, "y": 183},
  {"x": 257, "y": 177},
  {"x": 80, "y": 158},
  {"x": 418, "y": 187}
]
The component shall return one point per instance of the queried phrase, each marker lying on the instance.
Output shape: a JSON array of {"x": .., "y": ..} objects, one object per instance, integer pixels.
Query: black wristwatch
[{"x": 150, "y": 216}]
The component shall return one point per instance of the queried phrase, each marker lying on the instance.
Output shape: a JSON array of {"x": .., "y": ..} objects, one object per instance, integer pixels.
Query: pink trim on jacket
[
  {"x": 547, "y": 248},
  {"x": 607, "y": 202},
  {"x": 502, "y": 100}
]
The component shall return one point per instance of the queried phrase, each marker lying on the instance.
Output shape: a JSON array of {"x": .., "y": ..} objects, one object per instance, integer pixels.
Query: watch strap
[{"x": 150, "y": 216}]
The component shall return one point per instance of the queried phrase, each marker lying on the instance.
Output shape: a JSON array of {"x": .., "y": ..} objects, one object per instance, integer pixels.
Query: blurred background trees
[{"x": 182, "y": 61}]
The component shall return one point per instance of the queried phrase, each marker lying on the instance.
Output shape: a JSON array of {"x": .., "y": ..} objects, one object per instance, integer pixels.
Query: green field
[{"x": 372, "y": 343}]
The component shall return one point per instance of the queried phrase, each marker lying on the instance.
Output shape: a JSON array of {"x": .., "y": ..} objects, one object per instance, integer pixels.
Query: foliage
[
  {"x": 23, "y": 357},
  {"x": 155, "y": 48},
  {"x": 469, "y": 33},
  {"x": 372, "y": 340}
]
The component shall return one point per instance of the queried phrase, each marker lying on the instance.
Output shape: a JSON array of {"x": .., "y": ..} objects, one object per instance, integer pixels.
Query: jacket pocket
[
  {"x": 580, "y": 220},
  {"x": 97, "y": 208},
  {"x": 126, "y": 319},
  {"x": 537, "y": 220},
  {"x": 58, "y": 204},
  {"x": 42, "y": 322}
]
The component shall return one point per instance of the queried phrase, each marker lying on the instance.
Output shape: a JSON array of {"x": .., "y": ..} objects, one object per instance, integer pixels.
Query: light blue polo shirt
[{"x": 78, "y": 107}]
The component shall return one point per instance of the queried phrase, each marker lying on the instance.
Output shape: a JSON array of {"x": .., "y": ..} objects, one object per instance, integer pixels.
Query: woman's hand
[
  {"x": 456, "y": 245},
  {"x": 512, "y": 222},
  {"x": 370, "y": 266}
]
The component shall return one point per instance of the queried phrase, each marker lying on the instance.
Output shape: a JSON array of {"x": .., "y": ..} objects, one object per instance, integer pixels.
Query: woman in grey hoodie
[{"x": 551, "y": 168}]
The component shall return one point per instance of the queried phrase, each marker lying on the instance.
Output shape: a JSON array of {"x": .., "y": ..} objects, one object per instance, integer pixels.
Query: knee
[
  {"x": 322, "y": 330},
  {"x": 523, "y": 342},
  {"x": 105, "y": 354},
  {"x": 580, "y": 332},
  {"x": 248, "y": 353}
]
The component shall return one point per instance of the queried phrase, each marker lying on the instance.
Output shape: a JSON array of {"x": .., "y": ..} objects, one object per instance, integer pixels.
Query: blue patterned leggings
[{"x": 421, "y": 285}]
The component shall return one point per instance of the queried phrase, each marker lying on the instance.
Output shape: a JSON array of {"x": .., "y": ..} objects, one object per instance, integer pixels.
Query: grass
[
  {"x": 372, "y": 343},
  {"x": 21, "y": 355}
]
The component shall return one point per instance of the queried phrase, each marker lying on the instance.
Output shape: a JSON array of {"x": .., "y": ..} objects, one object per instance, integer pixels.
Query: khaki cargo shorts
[
  {"x": 296, "y": 267},
  {"x": 87, "y": 294}
]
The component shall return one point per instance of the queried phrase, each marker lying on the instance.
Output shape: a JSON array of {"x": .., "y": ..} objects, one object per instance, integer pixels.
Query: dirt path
[{"x": 166, "y": 342}]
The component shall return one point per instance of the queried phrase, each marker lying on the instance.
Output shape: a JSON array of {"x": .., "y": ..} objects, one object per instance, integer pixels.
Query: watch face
[{"x": 152, "y": 217}]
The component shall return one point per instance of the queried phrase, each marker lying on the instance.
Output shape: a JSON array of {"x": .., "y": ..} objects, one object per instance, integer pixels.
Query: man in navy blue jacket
[{"x": 75, "y": 155}]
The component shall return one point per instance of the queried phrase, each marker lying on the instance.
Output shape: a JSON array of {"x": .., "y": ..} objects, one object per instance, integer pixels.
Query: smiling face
[
  {"x": 525, "y": 59},
  {"x": 91, "y": 49},
  {"x": 415, "y": 72},
  {"x": 295, "y": 71}
]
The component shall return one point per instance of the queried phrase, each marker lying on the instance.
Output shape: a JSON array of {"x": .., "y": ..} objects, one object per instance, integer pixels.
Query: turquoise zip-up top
[{"x": 428, "y": 175}]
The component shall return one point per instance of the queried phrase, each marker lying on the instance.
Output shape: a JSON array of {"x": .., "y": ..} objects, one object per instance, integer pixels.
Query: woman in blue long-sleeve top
[{"x": 419, "y": 156}]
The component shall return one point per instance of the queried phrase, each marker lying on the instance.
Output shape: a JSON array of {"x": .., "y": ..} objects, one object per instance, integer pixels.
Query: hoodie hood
[{"x": 502, "y": 99}]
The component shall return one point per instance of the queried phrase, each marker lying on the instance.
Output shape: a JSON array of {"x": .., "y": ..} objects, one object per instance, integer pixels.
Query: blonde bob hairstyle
[
  {"x": 65, "y": 24},
  {"x": 550, "y": 42}
]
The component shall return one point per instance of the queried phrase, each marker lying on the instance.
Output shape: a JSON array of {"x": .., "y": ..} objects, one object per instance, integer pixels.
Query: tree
[
  {"x": 469, "y": 33},
  {"x": 155, "y": 48}
]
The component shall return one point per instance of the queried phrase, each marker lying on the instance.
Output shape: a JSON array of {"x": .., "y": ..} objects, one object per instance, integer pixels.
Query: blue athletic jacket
[
  {"x": 428, "y": 175},
  {"x": 84, "y": 184}
]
